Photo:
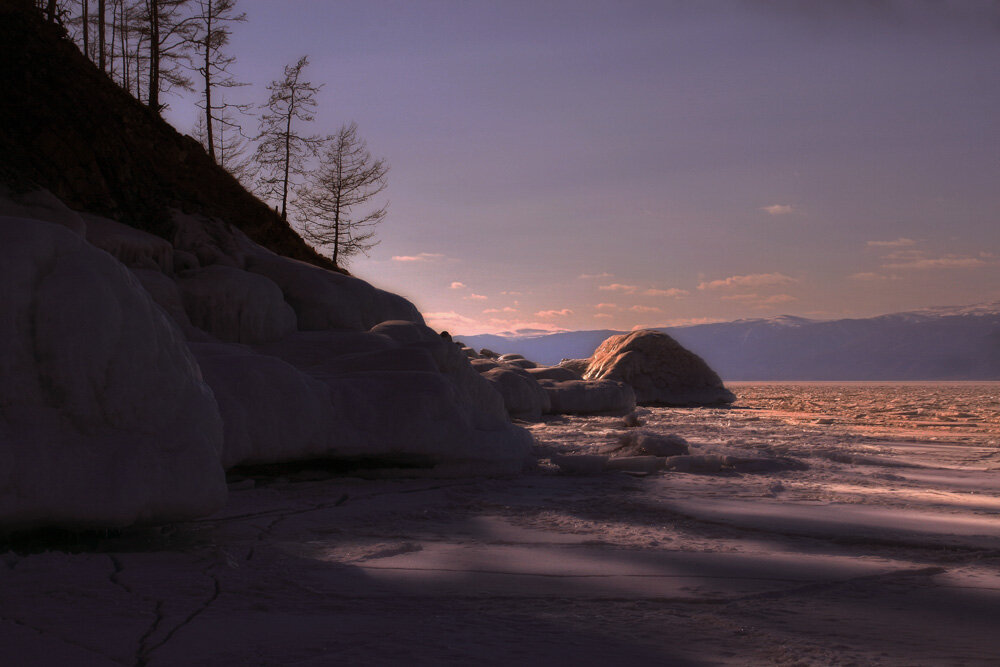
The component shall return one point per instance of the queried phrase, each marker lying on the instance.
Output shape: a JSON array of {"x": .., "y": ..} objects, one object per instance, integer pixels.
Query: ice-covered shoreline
[{"x": 884, "y": 550}]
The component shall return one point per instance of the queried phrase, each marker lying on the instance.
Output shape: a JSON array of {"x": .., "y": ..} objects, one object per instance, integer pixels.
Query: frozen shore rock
[
  {"x": 400, "y": 394},
  {"x": 658, "y": 368},
  {"x": 104, "y": 417},
  {"x": 235, "y": 306},
  {"x": 523, "y": 396},
  {"x": 325, "y": 300},
  {"x": 583, "y": 397}
]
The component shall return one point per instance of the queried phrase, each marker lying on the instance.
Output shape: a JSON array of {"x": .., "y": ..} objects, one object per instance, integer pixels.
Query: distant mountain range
[{"x": 953, "y": 343}]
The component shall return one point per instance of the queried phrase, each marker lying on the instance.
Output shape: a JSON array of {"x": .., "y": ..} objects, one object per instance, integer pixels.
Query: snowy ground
[{"x": 883, "y": 548}]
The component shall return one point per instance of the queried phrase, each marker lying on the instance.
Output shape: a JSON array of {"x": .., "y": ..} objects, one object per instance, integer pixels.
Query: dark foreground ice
[{"x": 868, "y": 532}]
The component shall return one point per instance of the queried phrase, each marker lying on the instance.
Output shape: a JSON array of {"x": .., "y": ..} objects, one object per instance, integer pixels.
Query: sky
[{"x": 571, "y": 165}]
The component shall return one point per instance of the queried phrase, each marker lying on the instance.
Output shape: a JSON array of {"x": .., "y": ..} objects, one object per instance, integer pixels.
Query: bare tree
[
  {"x": 347, "y": 179},
  {"x": 101, "y": 22},
  {"x": 213, "y": 21},
  {"x": 230, "y": 145},
  {"x": 281, "y": 150},
  {"x": 169, "y": 35}
]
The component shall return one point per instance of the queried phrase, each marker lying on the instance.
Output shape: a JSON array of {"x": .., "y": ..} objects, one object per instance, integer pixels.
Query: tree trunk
[
  {"x": 208, "y": 82},
  {"x": 153, "y": 98},
  {"x": 100, "y": 36},
  {"x": 288, "y": 157},
  {"x": 50, "y": 11},
  {"x": 86, "y": 29}
]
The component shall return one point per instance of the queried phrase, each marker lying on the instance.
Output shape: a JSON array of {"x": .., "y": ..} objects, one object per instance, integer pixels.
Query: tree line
[{"x": 150, "y": 48}]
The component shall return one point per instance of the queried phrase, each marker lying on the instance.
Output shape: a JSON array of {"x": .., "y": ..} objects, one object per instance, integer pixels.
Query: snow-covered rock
[
  {"x": 40, "y": 205},
  {"x": 235, "y": 305},
  {"x": 271, "y": 410},
  {"x": 659, "y": 370},
  {"x": 522, "y": 395},
  {"x": 132, "y": 247},
  {"x": 163, "y": 290},
  {"x": 210, "y": 241},
  {"x": 582, "y": 397},
  {"x": 104, "y": 417},
  {"x": 328, "y": 300},
  {"x": 402, "y": 395}
]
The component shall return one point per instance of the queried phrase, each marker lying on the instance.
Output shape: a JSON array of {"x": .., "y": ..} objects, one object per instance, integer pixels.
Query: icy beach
[{"x": 850, "y": 524}]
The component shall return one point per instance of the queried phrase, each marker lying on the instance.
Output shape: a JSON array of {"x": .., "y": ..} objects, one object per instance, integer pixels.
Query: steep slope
[{"x": 67, "y": 128}]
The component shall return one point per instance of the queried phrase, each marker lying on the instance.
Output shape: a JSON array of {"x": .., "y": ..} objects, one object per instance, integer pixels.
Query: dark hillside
[{"x": 66, "y": 127}]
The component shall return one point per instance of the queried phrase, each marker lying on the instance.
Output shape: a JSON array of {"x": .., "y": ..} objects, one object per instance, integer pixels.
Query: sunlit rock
[
  {"x": 556, "y": 373},
  {"x": 104, "y": 417},
  {"x": 658, "y": 368}
]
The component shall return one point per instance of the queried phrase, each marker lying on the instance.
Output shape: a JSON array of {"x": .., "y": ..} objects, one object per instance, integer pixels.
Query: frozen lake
[{"x": 823, "y": 523}]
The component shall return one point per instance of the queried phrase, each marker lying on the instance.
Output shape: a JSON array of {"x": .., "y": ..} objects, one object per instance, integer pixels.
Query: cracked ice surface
[{"x": 881, "y": 547}]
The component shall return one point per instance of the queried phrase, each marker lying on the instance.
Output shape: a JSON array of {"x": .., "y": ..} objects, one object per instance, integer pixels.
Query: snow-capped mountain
[{"x": 946, "y": 343}]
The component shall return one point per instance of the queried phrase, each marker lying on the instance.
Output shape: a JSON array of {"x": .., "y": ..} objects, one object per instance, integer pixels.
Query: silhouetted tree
[
  {"x": 212, "y": 30},
  {"x": 168, "y": 33},
  {"x": 281, "y": 150},
  {"x": 347, "y": 179},
  {"x": 101, "y": 44},
  {"x": 231, "y": 145}
]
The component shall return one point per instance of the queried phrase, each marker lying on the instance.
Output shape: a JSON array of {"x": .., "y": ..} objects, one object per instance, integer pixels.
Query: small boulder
[
  {"x": 639, "y": 443},
  {"x": 522, "y": 395},
  {"x": 582, "y": 397}
]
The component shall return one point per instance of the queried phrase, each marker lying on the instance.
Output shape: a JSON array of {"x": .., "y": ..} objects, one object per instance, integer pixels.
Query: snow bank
[{"x": 104, "y": 418}]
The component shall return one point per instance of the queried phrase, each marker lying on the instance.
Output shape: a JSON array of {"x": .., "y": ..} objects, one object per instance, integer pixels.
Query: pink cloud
[
  {"x": 618, "y": 287},
  {"x": 545, "y": 314},
  {"x": 422, "y": 257},
  {"x": 749, "y": 280},
  {"x": 673, "y": 291}
]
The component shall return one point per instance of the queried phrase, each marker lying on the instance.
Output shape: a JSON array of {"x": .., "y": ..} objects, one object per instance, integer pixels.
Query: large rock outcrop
[
  {"x": 658, "y": 368},
  {"x": 104, "y": 417}
]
